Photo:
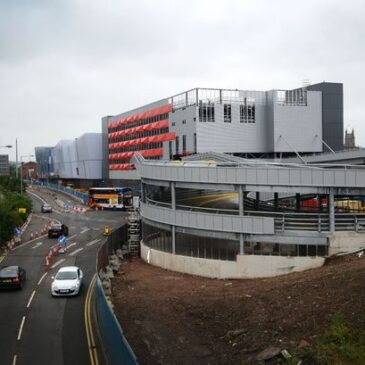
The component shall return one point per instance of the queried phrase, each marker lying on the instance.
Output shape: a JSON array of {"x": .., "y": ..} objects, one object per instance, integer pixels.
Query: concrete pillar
[
  {"x": 173, "y": 195},
  {"x": 242, "y": 242},
  {"x": 331, "y": 210},
  {"x": 297, "y": 201},
  {"x": 257, "y": 200},
  {"x": 276, "y": 201},
  {"x": 173, "y": 236},
  {"x": 241, "y": 204}
]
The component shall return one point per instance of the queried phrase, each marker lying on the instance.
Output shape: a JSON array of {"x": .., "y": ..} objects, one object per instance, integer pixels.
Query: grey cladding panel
[
  {"x": 231, "y": 175},
  {"x": 213, "y": 174},
  {"x": 251, "y": 176},
  {"x": 340, "y": 177},
  {"x": 262, "y": 176},
  {"x": 227, "y": 223},
  {"x": 283, "y": 177},
  {"x": 295, "y": 177},
  {"x": 329, "y": 178},
  {"x": 195, "y": 174},
  {"x": 306, "y": 177},
  {"x": 317, "y": 178},
  {"x": 273, "y": 176},
  {"x": 204, "y": 177}
]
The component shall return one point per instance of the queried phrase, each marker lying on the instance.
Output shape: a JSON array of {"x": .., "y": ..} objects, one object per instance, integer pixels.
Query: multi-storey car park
[
  {"x": 222, "y": 216},
  {"x": 275, "y": 123}
]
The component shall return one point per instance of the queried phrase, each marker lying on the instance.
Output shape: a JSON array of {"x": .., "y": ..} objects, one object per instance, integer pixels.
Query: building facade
[
  {"x": 237, "y": 122},
  {"x": 78, "y": 159},
  {"x": 4, "y": 165},
  {"x": 44, "y": 158}
]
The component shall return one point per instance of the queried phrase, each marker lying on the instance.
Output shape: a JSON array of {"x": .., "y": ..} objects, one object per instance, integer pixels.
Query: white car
[
  {"x": 68, "y": 281},
  {"x": 46, "y": 208}
]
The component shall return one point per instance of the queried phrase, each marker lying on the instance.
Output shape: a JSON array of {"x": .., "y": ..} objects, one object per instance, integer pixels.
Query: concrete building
[
  {"x": 4, "y": 165},
  {"x": 237, "y": 122}
]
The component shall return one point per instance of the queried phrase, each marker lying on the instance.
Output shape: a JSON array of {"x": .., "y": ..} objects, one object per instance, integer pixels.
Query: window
[
  {"x": 177, "y": 145},
  {"x": 227, "y": 113},
  {"x": 247, "y": 111},
  {"x": 194, "y": 119},
  {"x": 206, "y": 112},
  {"x": 184, "y": 121},
  {"x": 170, "y": 150},
  {"x": 184, "y": 143},
  {"x": 173, "y": 124},
  {"x": 77, "y": 171}
]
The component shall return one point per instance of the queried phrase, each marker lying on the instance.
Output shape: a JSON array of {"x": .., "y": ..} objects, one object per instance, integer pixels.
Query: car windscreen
[
  {"x": 66, "y": 275},
  {"x": 8, "y": 272},
  {"x": 56, "y": 227}
]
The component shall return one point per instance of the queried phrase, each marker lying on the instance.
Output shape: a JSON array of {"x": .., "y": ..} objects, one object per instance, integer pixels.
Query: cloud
[{"x": 65, "y": 64}]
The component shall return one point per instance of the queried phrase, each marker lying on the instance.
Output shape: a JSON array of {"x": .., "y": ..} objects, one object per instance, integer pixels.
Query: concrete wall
[
  {"x": 246, "y": 266},
  {"x": 341, "y": 242}
]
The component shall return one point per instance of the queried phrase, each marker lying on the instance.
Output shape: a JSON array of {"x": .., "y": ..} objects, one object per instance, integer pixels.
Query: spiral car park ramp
[{"x": 206, "y": 216}]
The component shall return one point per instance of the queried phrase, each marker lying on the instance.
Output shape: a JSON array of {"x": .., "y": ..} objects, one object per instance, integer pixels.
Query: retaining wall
[{"x": 246, "y": 266}]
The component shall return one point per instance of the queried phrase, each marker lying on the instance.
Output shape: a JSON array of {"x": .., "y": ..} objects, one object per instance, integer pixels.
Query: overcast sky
[{"x": 65, "y": 64}]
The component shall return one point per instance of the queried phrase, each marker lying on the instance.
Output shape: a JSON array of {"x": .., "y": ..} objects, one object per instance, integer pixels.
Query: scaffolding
[{"x": 134, "y": 231}]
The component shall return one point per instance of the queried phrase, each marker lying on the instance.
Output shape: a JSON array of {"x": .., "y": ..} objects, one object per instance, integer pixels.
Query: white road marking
[
  {"x": 73, "y": 236},
  {"x": 96, "y": 229},
  {"x": 40, "y": 280},
  {"x": 71, "y": 244},
  {"x": 76, "y": 251},
  {"x": 57, "y": 263},
  {"x": 30, "y": 299},
  {"x": 37, "y": 244},
  {"x": 93, "y": 242},
  {"x": 85, "y": 230},
  {"x": 14, "y": 360},
  {"x": 21, "y": 328}
]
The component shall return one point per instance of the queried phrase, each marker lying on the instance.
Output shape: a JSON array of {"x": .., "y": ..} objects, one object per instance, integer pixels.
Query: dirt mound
[{"x": 172, "y": 318}]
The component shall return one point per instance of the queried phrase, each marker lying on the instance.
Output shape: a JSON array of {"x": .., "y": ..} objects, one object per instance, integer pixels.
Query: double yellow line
[{"x": 88, "y": 325}]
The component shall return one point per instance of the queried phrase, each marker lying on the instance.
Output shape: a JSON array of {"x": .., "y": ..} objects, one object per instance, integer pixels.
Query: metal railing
[{"x": 287, "y": 221}]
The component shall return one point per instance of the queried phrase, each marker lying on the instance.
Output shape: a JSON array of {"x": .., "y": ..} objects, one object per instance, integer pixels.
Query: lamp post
[{"x": 21, "y": 172}]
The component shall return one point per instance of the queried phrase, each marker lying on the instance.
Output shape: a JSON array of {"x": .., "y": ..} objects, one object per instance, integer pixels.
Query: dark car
[
  {"x": 58, "y": 230},
  {"x": 46, "y": 208},
  {"x": 12, "y": 277}
]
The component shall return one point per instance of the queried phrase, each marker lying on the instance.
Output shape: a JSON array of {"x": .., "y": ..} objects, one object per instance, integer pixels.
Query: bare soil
[{"x": 173, "y": 318}]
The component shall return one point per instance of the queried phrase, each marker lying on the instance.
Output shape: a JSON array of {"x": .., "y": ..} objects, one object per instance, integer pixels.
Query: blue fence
[
  {"x": 77, "y": 194},
  {"x": 116, "y": 345}
]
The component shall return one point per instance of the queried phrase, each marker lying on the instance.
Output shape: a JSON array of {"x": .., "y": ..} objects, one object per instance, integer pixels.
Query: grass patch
[{"x": 341, "y": 344}]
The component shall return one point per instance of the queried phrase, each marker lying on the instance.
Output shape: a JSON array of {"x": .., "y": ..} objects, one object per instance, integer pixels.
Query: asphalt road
[{"x": 36, "y": 328}]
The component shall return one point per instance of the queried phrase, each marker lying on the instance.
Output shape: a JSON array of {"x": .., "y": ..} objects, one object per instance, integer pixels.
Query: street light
[{"x": 21, "y": 172}]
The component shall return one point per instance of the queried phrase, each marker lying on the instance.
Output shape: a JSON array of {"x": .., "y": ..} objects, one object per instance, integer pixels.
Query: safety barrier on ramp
[{"x": 116, "y": 345}]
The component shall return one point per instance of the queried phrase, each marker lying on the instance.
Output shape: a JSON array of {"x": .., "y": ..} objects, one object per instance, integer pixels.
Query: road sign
[
  {"x": 17, "y": 230},
  {"x": 22, "y": 210},
  {"x": 62, "y": 240}
]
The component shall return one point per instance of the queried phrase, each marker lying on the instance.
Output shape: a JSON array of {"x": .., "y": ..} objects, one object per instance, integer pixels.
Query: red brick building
[{"x": 28, "y": 170}]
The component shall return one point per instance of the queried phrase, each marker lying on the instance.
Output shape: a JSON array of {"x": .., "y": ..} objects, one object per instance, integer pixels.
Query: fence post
[{"x": 319, "y": 223}]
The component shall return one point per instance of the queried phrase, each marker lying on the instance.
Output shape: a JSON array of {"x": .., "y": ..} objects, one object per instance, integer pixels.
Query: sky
[{"x": 64, "y": 64}]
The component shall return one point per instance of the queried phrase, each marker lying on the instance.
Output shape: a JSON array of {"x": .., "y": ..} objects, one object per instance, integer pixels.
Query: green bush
[{"x": 10, "y": 218}]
